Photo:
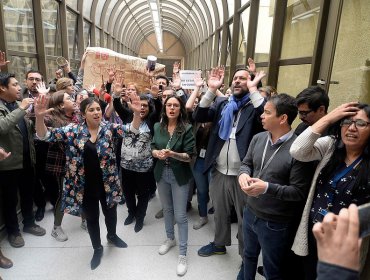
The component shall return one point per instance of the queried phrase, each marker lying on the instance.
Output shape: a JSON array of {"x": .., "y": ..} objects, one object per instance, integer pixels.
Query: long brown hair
[{"x": 57, "y": 117}]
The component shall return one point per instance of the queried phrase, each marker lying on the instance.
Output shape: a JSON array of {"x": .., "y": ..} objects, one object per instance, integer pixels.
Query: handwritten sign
[
  {"x": 133, "y": 69},
  {"x": 187, "y": 78}
]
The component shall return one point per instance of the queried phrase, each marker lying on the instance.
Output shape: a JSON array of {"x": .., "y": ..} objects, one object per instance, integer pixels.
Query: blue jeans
[
  {"x": 202, "y": 182},
  {"x": 275, "y": 240},
  {"x": 174, "y": 198}
]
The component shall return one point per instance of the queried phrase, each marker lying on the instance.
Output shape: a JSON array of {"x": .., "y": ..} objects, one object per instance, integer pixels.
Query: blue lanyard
[{"x": 337, "y": 177}]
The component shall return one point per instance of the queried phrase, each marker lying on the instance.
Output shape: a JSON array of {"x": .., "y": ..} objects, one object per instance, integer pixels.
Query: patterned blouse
[
  {"x": 343, "y": 194},
  {"x": 75, "y": 137}
]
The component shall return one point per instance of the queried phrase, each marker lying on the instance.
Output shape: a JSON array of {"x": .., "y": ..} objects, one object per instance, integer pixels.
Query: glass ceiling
[{"x": 131, "y": 21}]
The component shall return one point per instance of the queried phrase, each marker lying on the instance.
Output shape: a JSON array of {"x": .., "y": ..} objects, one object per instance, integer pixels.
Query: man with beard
[{"x": 235, "y": 121}]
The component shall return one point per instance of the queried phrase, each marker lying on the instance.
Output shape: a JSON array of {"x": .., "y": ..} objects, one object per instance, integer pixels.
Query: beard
[{"x": 241, "y": 94}]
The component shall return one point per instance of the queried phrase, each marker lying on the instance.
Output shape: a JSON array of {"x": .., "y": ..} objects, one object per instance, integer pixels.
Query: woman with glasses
[
  {"x": 341, "y": 177},
  {"x": 173, "y": 145}
]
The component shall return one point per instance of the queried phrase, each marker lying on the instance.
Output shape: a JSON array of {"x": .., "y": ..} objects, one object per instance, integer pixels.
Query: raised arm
[
  {"x": 196, "y": 92},
  {"x": 40, "y": 112}
]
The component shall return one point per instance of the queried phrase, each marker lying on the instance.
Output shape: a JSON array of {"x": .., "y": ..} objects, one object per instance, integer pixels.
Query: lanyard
[
  {"x": 263, "y": 167},
  {"x": 337, "y": 177}
]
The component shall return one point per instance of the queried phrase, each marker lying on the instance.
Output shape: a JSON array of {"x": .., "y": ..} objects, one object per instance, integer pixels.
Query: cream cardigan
[{"x": 308, "y": 146}]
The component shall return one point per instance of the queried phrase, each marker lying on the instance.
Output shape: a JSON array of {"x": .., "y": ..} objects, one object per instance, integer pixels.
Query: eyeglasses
[
  {"x": 169, "y": 105},
  {"x": 304, "y": 113},
  {"x": 361, "y": 124},
  {"x": 31, "y": 79}
]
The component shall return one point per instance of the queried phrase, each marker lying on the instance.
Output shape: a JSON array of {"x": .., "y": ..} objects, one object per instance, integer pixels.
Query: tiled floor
[{"x": 45, "y": 258}]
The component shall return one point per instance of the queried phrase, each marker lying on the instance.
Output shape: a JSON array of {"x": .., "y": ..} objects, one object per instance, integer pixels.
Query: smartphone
[
  {"x": 364, "y": 217},
  {"x": 160, "y": 87}
]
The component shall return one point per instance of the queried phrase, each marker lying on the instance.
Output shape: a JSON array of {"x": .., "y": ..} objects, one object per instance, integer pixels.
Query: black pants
[
  {"x": 310, "y": 261},
  {"x": 136, "y": 183},
  {"x": 10, "y": 182},
  {"x": 41, "y": 149},
  {"x": 91, "y": 212}
]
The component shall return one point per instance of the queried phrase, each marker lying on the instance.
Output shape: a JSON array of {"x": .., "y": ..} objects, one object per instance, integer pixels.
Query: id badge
[
  {"x": 319, "y": 216},
  {"x": 232, "y": 134},
  {"x": 202, "y": 153}
]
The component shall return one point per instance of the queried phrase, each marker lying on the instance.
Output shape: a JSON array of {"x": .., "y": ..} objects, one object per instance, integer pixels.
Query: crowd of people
[{"x": 292, "y": 191}]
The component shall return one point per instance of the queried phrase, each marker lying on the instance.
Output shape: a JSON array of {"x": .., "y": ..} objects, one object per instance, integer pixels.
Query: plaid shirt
[{"x": 56, "y": 157}]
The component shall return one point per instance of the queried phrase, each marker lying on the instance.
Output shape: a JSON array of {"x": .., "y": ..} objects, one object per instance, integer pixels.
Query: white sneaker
[
  {"x": 201, "y": 222},
  {"x": 182, "y": 265},
  {"x": 84, "y": 224},
  {"x": 166, "y": 246},
  {"x": 59, "y": 234}
]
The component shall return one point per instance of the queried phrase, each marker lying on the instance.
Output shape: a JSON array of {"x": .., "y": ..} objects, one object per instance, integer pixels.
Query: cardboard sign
[
  {"x": 100, "y": 60},
  {"x": 187, "y": 78}
]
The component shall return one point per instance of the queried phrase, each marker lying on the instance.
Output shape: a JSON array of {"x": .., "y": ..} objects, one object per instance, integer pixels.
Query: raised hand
[
  {"x": 251, "y": 66},
  {"x": 91, "y": 88},
  {"x": 59, "y": 74},
  {"x": 41, "y": 88},
  {"x": 111, "y": 73},
  {"x": 135, "y": 104},
  {"x": 215, "y": 78},
  {"x": 176, "y": 81},
  {"x": 67, "y": 67},
  {"x": 3, "y": 60},
  {"x": 198, "y": 80},
  {"x": 252, "y": 84},
  {"x": 176, "y": 67},
  {"x": 41, "y": 106}
]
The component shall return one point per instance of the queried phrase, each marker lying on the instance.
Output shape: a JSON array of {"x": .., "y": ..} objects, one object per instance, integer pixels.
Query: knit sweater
[{"x": 288, "y": 180}]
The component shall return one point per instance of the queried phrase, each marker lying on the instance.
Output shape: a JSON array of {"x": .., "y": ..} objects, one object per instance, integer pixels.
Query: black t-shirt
[{"x": 93, "y": 173}]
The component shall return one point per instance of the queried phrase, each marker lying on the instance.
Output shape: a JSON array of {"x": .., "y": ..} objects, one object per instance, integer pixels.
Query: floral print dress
[{"x": 75, "y": 136}]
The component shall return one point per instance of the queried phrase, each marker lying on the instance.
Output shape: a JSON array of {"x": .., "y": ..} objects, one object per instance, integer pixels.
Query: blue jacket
[{"x": 249, "y": 124}]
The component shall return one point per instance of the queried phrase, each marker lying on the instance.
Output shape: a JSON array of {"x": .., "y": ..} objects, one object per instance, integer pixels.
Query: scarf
[{"x": 227, "y": 115}]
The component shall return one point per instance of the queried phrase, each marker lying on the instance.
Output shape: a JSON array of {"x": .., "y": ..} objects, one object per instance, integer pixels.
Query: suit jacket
[
  {"x": 182, "y": 143},
  {"x": 249, "y": 124}
]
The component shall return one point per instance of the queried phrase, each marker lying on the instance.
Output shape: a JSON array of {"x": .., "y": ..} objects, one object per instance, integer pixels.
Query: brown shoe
[
  {"x": 35, "y": 230},
  {"x": 4, "y": 261},
  {"x": 16, "y": 240}
]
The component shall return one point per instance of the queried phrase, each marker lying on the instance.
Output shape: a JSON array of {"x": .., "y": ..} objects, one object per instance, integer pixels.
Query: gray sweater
[{"x": 288, "y": 180}]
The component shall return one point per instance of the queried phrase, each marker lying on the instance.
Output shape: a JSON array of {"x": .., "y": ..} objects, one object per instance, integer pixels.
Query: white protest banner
[
  {"x": 187, "y": 78},
  {"x": 133, "y": 69}
]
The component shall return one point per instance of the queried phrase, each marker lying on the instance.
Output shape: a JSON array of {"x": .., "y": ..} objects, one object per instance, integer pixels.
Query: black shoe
[
  {"x": 188, "y": 206},
  {"x": 139, "y": 225},
  {"x": 211, "y": 210},
  {"x": 118, "y": 242},
  {"x": 40, "y": 212},
  {"x": 129, "y": 220},
  {"x": 260, "y": 270},
  {"x": 95, "y": 261}
]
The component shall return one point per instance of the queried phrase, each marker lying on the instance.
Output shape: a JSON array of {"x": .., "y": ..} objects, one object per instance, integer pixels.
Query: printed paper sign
[{"x": 187, "y": 78}]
